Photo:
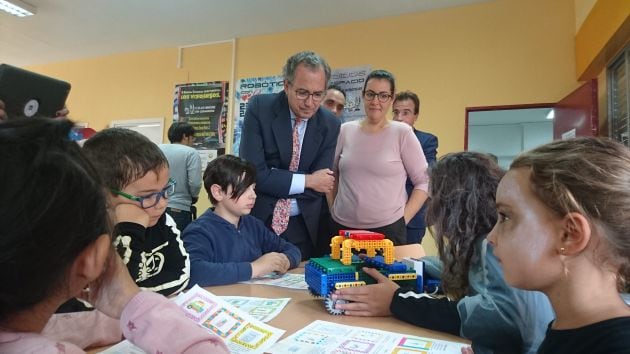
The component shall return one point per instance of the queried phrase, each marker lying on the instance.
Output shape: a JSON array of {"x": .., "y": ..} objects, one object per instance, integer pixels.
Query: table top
[{"x": 305, "y": 308}]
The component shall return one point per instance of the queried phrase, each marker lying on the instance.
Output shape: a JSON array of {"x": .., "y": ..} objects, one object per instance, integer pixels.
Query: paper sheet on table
[
  {"x": 287, "y": 280},
  {"x": 124, "y": 347},
  {"x": 242, "y": 333},
  {"x": 260, "y": 308},
  {"x": 327, "y": 337}
]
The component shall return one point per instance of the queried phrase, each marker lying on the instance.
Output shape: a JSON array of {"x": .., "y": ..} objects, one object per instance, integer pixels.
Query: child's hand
[
  {"x": 270, "y": 262},
  {"x": 467, "y": 350},
  {"x": 113, "y": 290},
  {"x": 126, "y": 212},
  {"x": 62, "y": 113},
  {"x": 368, "y": 300}
]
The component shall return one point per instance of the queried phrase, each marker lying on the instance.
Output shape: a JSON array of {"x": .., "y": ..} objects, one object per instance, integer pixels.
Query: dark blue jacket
[
  {"x": 429, "y": 143},
  {"x": 221, "y": 253},
  {"x": 267, "y": 142}
]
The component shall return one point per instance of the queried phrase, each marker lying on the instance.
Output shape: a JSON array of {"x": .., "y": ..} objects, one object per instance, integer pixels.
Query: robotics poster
[
  {"x": 351, "y": 80},
  {"x": 246, "y": 89}
]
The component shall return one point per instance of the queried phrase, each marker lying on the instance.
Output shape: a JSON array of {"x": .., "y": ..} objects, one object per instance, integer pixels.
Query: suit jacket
[
  {"x": 267, "y": 142},
  {"x": 429, "y": 143}
]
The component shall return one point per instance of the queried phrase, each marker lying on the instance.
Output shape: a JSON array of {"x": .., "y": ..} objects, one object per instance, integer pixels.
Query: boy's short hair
[
  {"x": 177, "y": 131},
  {"x": 338, "y": 88},
  {"x": 408, "y": 95},
  {"x": 123, "y": 156},
  {"x": 229, "y": 170}
]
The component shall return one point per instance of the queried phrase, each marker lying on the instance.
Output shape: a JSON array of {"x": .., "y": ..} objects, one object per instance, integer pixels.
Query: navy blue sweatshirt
[{"x": 221, "y": 253}]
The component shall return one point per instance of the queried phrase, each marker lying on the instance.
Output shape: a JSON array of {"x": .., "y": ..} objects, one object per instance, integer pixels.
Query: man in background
[
  {"x": 185, "y": 169},
  {"x": 406, "y": 107},
  {"x": 335, "y": 100},
  {"x": 291, "y": 140}
]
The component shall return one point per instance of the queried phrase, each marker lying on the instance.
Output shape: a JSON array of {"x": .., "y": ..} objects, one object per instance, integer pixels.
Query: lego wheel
[
  {"x": 313, "y": 293},
  {"x": 330, "y": 305}
]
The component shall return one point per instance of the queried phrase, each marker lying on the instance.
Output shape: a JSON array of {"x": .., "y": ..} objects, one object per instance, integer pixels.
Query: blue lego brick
[
  {"x": 321, "y": 274},
  {"x": 378, "y": 262}
]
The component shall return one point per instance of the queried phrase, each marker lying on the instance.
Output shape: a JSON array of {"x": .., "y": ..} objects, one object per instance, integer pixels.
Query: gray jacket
[{"x": 496, "y": 317}]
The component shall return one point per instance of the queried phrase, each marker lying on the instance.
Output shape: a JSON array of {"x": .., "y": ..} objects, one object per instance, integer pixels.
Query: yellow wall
[
  {"x": 604, "y": 32},
  {"x": 495, "y": 53},
  {"x": 582, "y": 10}
]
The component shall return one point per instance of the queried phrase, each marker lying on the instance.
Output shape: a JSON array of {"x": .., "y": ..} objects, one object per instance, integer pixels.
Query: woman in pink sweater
[
  {"x": 373, "y": 158},
  {"x": 55, "y": 245}
]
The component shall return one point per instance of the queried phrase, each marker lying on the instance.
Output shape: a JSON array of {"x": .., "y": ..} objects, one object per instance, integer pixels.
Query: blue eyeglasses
[{"x": 152, "y": 199}]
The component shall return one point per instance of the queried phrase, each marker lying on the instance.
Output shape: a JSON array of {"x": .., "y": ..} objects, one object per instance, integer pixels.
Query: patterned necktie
[{"x": 281, "y": 212}]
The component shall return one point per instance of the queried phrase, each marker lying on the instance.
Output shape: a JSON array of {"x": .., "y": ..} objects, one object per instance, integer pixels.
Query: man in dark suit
[
  {"x": 406, "y": 107},
  {"x": 272, "y": 126}
]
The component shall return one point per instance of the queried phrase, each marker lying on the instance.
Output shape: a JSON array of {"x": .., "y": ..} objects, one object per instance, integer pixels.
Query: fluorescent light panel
[
  {"x": 17, "y": 8},
  {"x": 551, "y": 114}
]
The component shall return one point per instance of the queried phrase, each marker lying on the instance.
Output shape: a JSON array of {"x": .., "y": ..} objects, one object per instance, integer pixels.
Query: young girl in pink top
[
  {"x": 564, "y": 228},
  {"x": 55, "y": 245}
]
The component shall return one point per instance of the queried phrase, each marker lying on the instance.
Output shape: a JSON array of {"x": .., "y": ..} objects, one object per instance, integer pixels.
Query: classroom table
[{"x": 305, "y": 308}]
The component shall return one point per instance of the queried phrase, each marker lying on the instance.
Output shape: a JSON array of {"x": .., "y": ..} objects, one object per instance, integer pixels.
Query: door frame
[{"x": 499, "y": 108}]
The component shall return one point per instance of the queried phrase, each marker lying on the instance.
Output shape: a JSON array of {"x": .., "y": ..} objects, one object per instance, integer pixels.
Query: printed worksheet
[
  {"x": 242, "y": 333},
  {"x": 286, "y": 280},
  {"x": 327, "y": 337},
  {"x": 260, "y": 308},
  {"x": 124, "y": 347}
]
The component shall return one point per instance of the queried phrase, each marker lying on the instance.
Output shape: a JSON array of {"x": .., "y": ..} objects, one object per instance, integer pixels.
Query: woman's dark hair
[
  {"x": 381, "y": 75},
  {"x": 122, "y": 156},
  {"x": 461, "y": 210},
  {"x": 229, "y": 170},
  {"x": 53, "y": 206}
]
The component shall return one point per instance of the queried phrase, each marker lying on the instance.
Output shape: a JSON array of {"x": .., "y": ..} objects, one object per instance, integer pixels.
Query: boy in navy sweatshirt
[{"x": 228, "y": 245}]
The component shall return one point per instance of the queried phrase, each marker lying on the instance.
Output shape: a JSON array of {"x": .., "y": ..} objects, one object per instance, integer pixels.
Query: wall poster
[
  {"x": 246, "y": 89},
  {"x": 204, "y": 106},
  {"x": 351, "y": 80}
]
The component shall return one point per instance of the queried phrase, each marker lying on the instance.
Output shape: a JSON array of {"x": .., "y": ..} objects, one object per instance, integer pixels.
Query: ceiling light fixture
[
  {"x": 17, "y": 8},
  {"x": 551, "y": 114}
]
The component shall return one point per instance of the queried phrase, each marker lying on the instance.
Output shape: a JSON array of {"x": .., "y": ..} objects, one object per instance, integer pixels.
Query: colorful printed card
[
  {"x": 242, "y": 333},
  {"x": 260, "y": 308},
  {"x": 287, "y": 280},
  {"x": 327, "y": 337}
]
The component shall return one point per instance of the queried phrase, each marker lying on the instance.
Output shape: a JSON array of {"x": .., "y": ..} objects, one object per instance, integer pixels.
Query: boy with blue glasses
[{"x": 136, "y": 173}]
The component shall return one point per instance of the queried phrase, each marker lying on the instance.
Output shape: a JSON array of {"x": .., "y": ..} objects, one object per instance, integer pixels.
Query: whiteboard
[{"x": 152, "y": 128}]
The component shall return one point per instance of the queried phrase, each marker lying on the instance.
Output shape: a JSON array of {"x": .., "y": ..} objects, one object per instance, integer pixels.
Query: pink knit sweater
[{"x": 150, "y": 321}]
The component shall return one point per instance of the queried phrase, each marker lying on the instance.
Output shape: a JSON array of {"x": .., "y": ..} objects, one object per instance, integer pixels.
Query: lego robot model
[{"x": 343, "y": 269}]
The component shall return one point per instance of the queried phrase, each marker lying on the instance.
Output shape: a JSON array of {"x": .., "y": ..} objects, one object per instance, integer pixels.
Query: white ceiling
[{"x": 74, "y": 29}]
